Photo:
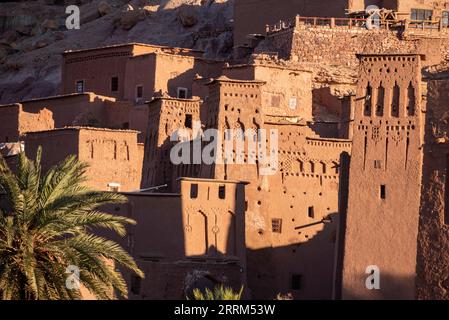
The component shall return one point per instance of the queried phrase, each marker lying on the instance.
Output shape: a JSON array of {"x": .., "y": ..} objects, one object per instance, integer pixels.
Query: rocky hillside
[{"x": 33, "y": 35}]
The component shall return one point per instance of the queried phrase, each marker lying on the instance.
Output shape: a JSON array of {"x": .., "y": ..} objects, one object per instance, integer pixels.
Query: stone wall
[
  {"x": 433, "y": 238},
  {"x": 339, "y": 45}
]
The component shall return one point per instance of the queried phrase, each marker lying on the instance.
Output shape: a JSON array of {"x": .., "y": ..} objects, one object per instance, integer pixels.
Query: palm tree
[
  {"x": 220, "y": 292},
  {"x": 46, "y": 228}
]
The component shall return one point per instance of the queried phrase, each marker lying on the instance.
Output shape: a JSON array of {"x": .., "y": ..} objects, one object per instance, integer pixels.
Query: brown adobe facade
[
  {"x": 202, "y": 223},
  {"x": 301, "y": 194},
  {"x": 135, "y": 72},
  {"x": 113, "y": 156},
  {"x": 386, "y": 165},
  {"x": 86, "y": 109},
  {"x": 328, "y": 211},
  {"x": 399, "y": 152}
]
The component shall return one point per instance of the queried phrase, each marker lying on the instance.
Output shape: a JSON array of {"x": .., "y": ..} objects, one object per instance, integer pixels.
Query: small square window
[
  {"x": 276, "y": 225},
  {"x": 311, "y": 212},
  {"x": 193, "y": 191},
  {"x": 114, "y": 84},
  {"x": 114, "y": 187},
  {"x": 80, "y": 86},
  {"x": 222, "y": 192},
  {"x": 182, "y": 93},
  {"x": 296, "y": 281}
]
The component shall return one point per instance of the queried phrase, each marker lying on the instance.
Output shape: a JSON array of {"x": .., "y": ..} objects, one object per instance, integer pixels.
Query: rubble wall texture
[{"x": 433, "y": 240}]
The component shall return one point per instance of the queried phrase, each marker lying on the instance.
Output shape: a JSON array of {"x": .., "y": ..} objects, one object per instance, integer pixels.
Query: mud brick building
[{"x": 360, "y": 123}]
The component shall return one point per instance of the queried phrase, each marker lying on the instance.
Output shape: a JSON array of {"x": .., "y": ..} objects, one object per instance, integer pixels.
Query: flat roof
[
  {"x": 226, "y": 79},
  {"x": 130, "y": 44},
  {"x": 61, "y": 96},
  {"x": 150, "y": 194},
  {"x": 211, "y": 180},
  {"x": 207, "y": 60},
  {"x": 193, "y": 99},
  {"x": 359, "y": 55},
  {"x": 329, "y": 139},
  {"x": 78, "y": 128},
  {"x": 245, "y": 65}
]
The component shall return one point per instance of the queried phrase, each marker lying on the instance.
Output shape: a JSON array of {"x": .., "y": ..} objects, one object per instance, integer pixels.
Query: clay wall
[
  {"x": 112, "y": 155},
  {"x": 96, "y": 67},
  {"x": 206, "y": 238},
  {"x": 385, "y": 178},
  {"x": 286, "y": 92},
  {"x": 86, "y": 109},
  {"x": 56, "y": 146},
  {"x": 301, "y": 193},
  {"x": 166, "y": 115},
  {"x": 165, "y": 74}
]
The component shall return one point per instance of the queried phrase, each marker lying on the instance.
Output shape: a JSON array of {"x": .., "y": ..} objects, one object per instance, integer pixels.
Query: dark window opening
[
  {"x": 380, "y": 101},
  {"x": 114, "y": 84},
  {"x": 139, "y": 92},
  {"x": 410, "y": 100},
  {"x": 296, "y": 281},
  {"x": 421, "y": 14},
  {"x": 383, "y": 192},
  {"x": 368, "y": 95},
  {"x": 221, "y": 192},
  {"x": 188, "y": 121},
  {"x": 182, "y": 93},
  {"x": 193, "y": 191},
  {"x": 80, "y": 86},
  {"x": 395, "y": 104},
  {"x": 311, "y": 212},
  {"x": 276, "y": 225}
]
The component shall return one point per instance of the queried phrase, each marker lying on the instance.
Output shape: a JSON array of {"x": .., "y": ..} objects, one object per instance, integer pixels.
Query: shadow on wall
[
  {"x": 433, "y": 243},
  {"x": 304, "y": 269},
  {"x": 391, "y": 287}
]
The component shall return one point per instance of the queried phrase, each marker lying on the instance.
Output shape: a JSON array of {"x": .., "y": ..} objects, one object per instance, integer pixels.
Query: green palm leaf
[{"x": 47, "y": 223}]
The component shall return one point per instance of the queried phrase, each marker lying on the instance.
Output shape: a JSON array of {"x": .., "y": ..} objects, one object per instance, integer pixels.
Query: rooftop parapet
[{"x": 405, "y": 25}]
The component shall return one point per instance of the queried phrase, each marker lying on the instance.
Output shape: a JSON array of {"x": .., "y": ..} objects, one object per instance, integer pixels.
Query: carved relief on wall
[{"x": 205, "y": 228}]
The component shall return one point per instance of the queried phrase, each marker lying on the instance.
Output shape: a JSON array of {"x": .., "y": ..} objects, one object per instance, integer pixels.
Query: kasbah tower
[{"x": 358, "y": 204}]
